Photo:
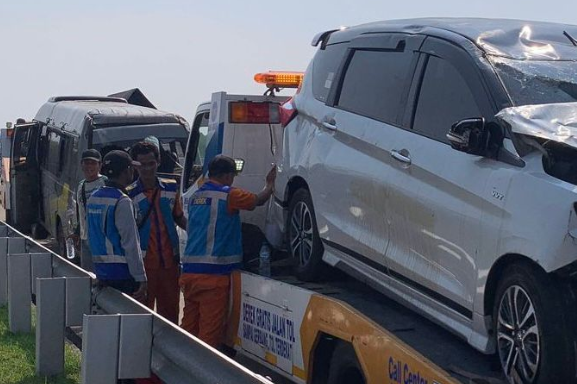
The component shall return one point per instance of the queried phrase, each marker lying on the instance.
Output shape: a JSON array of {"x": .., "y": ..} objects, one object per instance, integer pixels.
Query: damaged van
[
  {"x": 45, "y": 155},
  {"x": 436, "y": 159}
]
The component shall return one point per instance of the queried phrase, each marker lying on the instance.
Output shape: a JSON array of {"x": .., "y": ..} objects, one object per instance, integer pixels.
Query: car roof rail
[{"x": 56, "y": 99}]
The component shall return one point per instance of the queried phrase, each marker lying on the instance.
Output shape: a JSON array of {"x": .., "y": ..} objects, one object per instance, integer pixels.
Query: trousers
[
  {"x": 206, "y": 300},
  {"x": 164, "y": 292}
]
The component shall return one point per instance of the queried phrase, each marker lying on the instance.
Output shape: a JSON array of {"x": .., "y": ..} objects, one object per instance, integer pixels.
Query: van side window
[
  {"x": 53, "y": 153},
  {"x": 444, "y": 99},
  {"x": 325, "y": 65},
  {"x": 374, "y": 82}
]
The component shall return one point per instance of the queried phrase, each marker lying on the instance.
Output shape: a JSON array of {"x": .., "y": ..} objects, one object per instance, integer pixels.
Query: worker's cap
[
  {"x": 152, "y": 140},
  {"x": 116, "y": 162},
  {"x": 221, "y": 165},
  {"x": 91, "y": 154}
]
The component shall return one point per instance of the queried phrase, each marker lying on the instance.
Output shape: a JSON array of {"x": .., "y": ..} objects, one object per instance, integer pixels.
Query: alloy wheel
[
  {"x": 518, "y": 339},
  {"x": 301, "y": 233}
]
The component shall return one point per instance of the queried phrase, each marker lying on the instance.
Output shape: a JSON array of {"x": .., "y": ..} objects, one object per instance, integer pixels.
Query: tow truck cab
[{"x": 248, "y": 129}]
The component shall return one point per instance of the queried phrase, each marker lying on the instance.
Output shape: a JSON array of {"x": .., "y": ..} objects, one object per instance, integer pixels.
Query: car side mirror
[{"x": 469, "y": 136}]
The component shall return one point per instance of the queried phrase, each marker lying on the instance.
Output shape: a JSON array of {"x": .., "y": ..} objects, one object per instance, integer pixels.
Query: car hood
[{"x": 556, "y": 122}]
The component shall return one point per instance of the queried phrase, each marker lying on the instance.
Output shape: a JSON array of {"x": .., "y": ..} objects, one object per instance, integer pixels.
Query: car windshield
[{"x": 538, "y": 82}]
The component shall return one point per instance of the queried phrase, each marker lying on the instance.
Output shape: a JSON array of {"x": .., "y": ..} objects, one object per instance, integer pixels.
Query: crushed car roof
[
  {"x": 517, "y": 39},
  {"x": 557, "y": 122}
]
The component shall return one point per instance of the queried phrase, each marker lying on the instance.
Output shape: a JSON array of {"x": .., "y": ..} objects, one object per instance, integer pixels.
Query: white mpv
[{"x": 436, "y": 159}]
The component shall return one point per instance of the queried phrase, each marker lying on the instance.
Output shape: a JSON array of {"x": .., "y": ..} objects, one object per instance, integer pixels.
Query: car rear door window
[
  {"x": 444, "y": 99},
  {"x": 325, "y": 65},
  {"x": 374, "y": 83}
]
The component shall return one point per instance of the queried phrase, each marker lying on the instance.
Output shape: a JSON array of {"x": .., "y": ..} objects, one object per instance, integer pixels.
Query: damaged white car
[{"x": 436, "y": 159}]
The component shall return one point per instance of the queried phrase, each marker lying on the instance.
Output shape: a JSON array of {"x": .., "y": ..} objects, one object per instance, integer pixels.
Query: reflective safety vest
[
  {"x": 104, "y": 239},
  {"x": 214, "y": 244},
  {"x": 167, "y": 193}
]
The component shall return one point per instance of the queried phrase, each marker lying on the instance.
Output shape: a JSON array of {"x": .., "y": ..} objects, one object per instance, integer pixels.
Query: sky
[{"x": 179, "y": 52}]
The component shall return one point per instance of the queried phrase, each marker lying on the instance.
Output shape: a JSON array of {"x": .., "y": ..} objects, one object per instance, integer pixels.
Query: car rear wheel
[
  {"x": 534, "y": 341},
  {"x": 303, "y": 236}
]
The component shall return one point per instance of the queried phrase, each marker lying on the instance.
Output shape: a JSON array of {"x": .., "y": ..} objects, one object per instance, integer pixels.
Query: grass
[{"x": 18, "y": 355}]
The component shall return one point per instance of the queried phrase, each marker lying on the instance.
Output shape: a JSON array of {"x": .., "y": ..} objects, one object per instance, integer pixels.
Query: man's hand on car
[{"x": 271, "y": 177}]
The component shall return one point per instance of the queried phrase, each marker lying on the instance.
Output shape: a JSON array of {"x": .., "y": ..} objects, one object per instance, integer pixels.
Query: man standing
[
  {"x": 112, "y": 231},
  {"x": 91, "y": 163},
  {"x": 214, "y": 247},
  {"x": 158, "y": 212}
]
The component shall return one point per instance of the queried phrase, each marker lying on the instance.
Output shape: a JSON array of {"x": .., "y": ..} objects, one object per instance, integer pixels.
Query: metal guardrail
[{"x": 177, "y": 356}]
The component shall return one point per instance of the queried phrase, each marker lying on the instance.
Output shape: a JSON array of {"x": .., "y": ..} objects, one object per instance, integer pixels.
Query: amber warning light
[{"x": 280, "y": 79}]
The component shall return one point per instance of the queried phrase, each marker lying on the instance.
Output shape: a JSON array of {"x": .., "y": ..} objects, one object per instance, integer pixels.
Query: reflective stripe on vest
[
  {"x": 214, "y": 242},
  {"x": 104, "y": 238},
  {"x": 167, "y": 202}
]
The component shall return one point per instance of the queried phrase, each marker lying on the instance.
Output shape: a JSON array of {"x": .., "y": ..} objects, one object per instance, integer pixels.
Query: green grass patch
[{"x": 18, "y": 355}]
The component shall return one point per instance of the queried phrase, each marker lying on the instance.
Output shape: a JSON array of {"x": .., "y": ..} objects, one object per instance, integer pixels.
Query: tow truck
[{"x": 332, "y": 332}]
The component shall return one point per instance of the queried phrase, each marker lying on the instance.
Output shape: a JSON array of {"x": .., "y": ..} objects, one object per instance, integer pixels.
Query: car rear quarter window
[
  {"x": 444, "y": 99},
  {"x": 374, "y": 83},
  {"x": 325, "y": 66}
]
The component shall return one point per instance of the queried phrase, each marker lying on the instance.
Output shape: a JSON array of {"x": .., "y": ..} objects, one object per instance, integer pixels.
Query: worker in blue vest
[
  {"x": 112, "y": 230},
  {"x": 214, "y": 247}
]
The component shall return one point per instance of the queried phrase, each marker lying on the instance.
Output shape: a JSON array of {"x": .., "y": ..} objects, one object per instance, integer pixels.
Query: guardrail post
[
  {"x": 19, "y": 292},
  {"x": 16, "y": 245},
  {"x": 41, "y": 267},
  {"x": 50, "y": 326},
  {"x": 3, "y": 271},
  {"x": 135, "y": 350},
  {"x": 100, "y": 349},
  {"x": 78, "y": 300},
  {"x": 8, "y": 245}
]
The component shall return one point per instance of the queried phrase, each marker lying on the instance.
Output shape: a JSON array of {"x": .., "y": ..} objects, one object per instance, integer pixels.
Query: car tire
[
  {"x": 534, "y": 341},
  {"x": 344, "y": 367},
  {"x": 304, "y": 242}
]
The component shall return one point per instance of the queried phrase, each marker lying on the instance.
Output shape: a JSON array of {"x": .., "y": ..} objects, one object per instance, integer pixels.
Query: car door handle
[
  {"x": 330, "y": 125},
  {"x": 402, "y": 156}
]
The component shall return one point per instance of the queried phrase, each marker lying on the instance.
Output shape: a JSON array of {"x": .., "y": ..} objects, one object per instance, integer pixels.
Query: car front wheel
[
  {"x": 533, "y": 336},
  {"x": 303, "y": 237}
]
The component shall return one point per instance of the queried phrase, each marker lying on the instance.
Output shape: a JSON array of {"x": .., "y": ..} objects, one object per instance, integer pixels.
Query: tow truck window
[{"x": 198, "y": 141}]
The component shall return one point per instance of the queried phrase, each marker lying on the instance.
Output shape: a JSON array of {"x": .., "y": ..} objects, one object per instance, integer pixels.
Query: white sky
[{"x": 178, "y": 52}]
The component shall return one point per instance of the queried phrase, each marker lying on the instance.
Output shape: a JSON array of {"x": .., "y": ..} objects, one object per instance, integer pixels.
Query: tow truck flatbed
[{"x": 446, "y": 350}]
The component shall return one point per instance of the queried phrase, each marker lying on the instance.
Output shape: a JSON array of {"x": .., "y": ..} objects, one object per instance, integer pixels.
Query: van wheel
[
  {"x": 304, "y": 241},
  {"x": 61, "y": 241},
  {"x": 345, "y": 367},
  {"x": 534, "y": 342}
]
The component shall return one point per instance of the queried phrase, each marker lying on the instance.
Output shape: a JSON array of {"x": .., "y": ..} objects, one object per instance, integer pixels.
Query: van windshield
[
  {"x": 172, "y": 137},
  {"x": 531, "y": 82}
]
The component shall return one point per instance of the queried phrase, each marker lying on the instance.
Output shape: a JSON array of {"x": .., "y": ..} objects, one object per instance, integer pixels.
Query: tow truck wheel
[
  {"x": 533, "y": 340},
  {"x": 345, "y": 367},
  {"x": 304, "y": 241}
]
